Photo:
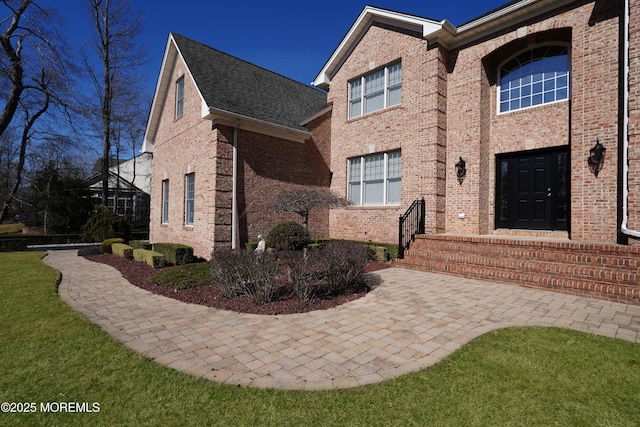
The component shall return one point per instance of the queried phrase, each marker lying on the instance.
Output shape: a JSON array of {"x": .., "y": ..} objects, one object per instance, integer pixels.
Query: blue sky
[{"x": 293, "y": 38}]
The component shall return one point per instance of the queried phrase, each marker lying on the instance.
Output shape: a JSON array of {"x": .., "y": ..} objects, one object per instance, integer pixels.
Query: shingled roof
[{"x": 231, "y": 84}]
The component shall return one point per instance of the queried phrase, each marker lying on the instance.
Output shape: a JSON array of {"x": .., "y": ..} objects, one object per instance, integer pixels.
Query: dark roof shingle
[{"x": 237, "y": 86}]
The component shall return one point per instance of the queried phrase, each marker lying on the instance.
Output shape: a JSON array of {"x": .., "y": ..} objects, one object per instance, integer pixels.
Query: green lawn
[
  {"x": 10, "y": 228},
  {"x": 515, "y": 377}
]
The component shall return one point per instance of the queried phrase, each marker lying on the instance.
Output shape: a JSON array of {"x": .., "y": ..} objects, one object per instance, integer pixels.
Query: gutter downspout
[
  {"x": 625, "y": 127},
  {"x": 234, "y": 189}
]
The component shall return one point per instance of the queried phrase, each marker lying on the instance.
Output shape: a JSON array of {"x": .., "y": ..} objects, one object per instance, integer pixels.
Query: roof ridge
[{"x": 246, "y": 61}]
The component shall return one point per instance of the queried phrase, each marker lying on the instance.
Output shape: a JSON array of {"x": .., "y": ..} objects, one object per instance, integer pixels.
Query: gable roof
[
  {"x": 367, "y": 17},
  {"x": 234, "y": 90},
  {"x": 441, "y": 32}
]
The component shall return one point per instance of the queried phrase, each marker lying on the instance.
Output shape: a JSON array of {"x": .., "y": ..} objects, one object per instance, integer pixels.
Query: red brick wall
[
  {"x": 416, "y": 126},
  {"x": 183, "y": 145},
  {"x": 449, "y": 111},
  {"x": 269, "y": 166},
  {"x": 474, "y": 126}
]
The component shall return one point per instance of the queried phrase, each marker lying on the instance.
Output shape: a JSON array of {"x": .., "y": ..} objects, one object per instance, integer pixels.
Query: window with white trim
[
  {"x": 190, "y": 182},
  {"x": 375, "y": 91},
  {"x": 165, "y": 201},
  {"x": 375, "y": 179},
  {"x": 180, "y": 97},
  {"x": 538, "y": 76}
]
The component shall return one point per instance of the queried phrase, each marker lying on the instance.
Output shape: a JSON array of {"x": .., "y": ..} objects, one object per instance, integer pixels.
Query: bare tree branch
[{"x": 302, "y": 200}]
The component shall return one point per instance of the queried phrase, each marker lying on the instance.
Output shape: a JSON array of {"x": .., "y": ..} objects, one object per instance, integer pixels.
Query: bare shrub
[
  {"x": 344, "y": 264},
  {"x": 304, "y": 271},
  {"x": 242, "y": 273}
]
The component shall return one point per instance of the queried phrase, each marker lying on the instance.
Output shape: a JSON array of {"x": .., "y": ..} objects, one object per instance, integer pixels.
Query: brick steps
[{"x": 600, "y": 270}]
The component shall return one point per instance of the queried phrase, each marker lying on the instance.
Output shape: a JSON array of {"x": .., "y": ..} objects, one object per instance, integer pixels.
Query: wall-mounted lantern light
[
  {"x": 596, "y": 158},
  {"x": 461, "y": 170}
]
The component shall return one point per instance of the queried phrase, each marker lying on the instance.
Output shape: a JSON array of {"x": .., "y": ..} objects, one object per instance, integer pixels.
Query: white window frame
[
  {"x": 165, "y": 201},
  {"x": 189, "y": 198},
  {"x": 363, "y": 96},
  {"x": 361, "y": 182},
  {"x": 180, "y": 97},
  {"x": 557, "y": 75}
]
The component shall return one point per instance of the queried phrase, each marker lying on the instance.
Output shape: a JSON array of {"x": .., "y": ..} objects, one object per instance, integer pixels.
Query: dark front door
[{"x": 532, "y": 190}]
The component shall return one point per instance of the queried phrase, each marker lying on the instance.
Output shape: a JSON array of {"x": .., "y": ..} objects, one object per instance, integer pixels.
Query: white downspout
[
  {"x": 234, "y": 190},
  {"x": 625, "y": 127}
]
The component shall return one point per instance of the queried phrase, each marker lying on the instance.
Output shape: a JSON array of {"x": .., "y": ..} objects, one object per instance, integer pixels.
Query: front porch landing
[{"x": 601, "y": 270}]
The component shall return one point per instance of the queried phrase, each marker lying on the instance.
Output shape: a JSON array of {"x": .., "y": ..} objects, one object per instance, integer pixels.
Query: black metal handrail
[{"x": 411, "y": 223}]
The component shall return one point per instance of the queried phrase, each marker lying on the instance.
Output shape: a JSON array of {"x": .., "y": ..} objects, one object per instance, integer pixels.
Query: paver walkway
[{"x": 409, "y": 322}]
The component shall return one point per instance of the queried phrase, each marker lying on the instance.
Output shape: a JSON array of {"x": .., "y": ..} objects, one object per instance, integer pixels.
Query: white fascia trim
[
  {"x": 503, "y": 18},
  {"x": 316, "y": 115},
  {"x": 147, "y": 144},
  {"x": 368, "y": 15},
  {"x": 162, "y": 88},
  {"x": 249, "y": 123},
  {"x": 497, "y": 14}
]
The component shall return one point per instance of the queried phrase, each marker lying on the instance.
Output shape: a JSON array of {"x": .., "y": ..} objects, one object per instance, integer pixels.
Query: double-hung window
[
  {"x": 538, "y": 76},
  {"x": 375, "y": 179},
  {"x": 165, "y": 201},
  {"x": 190, "y": 181},
  {"x": 375, "y": 91},
  {"x": 180, "y": 97}
]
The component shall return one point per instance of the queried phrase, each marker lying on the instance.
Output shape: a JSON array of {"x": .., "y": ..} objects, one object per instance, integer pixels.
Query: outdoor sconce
[
  {"x": 596, "y": 158},
  {"x": 461, "y": 170}
]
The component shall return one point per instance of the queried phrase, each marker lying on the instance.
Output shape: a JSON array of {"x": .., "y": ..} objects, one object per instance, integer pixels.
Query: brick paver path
[{"x": 409, "y": 322}]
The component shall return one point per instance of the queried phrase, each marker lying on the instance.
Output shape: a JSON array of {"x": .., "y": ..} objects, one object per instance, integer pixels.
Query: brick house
[
  {"x": 222, "y": 129},
  {"x": 524, "y": 96}
]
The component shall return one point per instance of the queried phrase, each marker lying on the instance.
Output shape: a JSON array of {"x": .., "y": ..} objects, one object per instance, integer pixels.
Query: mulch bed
[{"x": 138, "y": 274}]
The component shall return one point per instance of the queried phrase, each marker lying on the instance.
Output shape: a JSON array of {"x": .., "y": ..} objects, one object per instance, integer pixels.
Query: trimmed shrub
[
  {"x": 104, "y": 224},
  {"x": 377, "y": 253},
  {"x": 140, "y": 244},
  {"x": 89, "y": 250},
  {"x": 184, "y": 277},
  {"x": 243, "y": 273},
  {"x": 344, "y": 264},
  {"x": 175, "y": 253},
  {"x": 154, "y": 259},
  {"x": 251, "y": 246},
  {"x": 106, "y": 245},
  {"x": 13, "y": 245},
  {"x": 122, "y": 250},
  {"x": 288, "y": 235}
]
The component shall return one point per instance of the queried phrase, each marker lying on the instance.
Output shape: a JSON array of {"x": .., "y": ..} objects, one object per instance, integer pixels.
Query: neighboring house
[
  {"x": 129, "y": 188},
  {"x": 525, "y": 97}
]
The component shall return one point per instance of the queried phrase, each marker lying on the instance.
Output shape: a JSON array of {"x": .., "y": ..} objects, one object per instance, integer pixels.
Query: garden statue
[{"x": 261, "y": 245}]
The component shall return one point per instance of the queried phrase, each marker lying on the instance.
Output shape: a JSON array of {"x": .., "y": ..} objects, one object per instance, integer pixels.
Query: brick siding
[
  {"x": 267, "y": 165},
  {"x": 449, "y": 111}
]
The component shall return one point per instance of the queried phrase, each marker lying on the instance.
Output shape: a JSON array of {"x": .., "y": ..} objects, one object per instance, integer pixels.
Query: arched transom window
[{"x": 538, "y": 76}]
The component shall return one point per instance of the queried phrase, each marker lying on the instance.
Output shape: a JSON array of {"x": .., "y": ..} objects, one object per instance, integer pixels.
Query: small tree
[{"x": 303, "y": 200}]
